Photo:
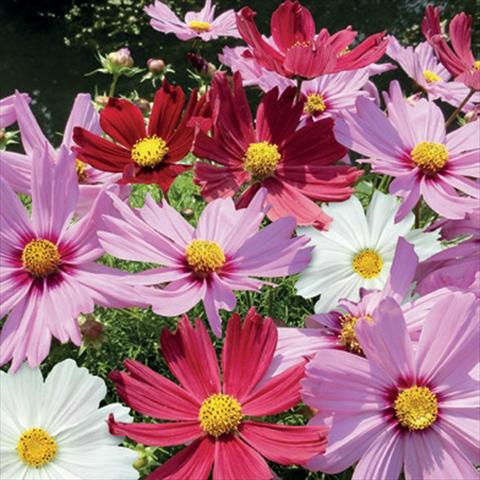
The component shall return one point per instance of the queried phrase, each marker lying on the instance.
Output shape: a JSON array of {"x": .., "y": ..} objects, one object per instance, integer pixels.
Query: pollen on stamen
[
  {"x": 347, "y": 337},
  {"x": 149, "y": 151},
  {"x": 314, "y": 104},
  {"x": 431, "y": 77},
  {"x": 367, "y": 263},
  {"x": 261, "y": 159},
  {"x": 40, "y": 257},
  {"x": 36, "y": 447},
  {"x": 204, "y": 257},
  {"x": 429, "y": 157},
  {"x": 81, "y": 169},
  {"x": 220, "y": 414},
  {"x": 199, "y": 27},
  {"x": 416, "y": 408}
]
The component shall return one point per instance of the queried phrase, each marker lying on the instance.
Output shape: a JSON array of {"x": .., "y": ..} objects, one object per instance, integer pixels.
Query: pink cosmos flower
[
  {"x": 457, "y": 59},
  {"x": 296, "y": 166},
  {"x": 416, "y": 408},
  {"x": 48, "y": 273},
  {"x": 7, "y": 110},
  {"x": 421, "y": 64},
  {"x": 200, "y": 24},
  {"x": 212, "y": 412},
  {"x": 297, "y": 51},
  {"x": 336, "y": 329},
  {"x": 17, "y": 168},
  {"x": 412, "y": 146},
  {"x": 208, "y": 262},
  {"x": 457, "y": 267}
]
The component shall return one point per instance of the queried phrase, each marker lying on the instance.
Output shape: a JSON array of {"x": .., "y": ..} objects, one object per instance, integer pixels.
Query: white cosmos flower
[
  {"x": 55, "y": 430},
  {"x": 357, "y": 251}
]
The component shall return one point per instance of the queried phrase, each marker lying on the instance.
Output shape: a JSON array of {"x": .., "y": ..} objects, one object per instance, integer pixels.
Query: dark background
[{"x": 46, "y": 46}]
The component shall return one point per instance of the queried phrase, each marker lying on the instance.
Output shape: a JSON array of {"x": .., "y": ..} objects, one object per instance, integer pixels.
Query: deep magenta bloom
[
  {"x": 457, "y": 59},
  {"x": 17, "y": 168},
  {"x": 207, "y": 410},
  {"x": 143, "y": 155},
  {"x": 297, "y": 51},
  {"x": 295, "y": 166},
  {"x": 48, "y": 273},
  {"x": 207, "y": 263},
  {"x": 401, "y": 407},
  {"x": 202, "y": 24},
  {"x": 412, "y": 145}
]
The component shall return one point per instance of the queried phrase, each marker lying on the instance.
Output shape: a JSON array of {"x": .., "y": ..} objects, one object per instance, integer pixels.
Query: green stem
[
  {"x": 111, "y": 91},
  {"x": 455, "y": 114},
  {"x": 417, "y": 212},
  {"x": 383, "y": 183}
]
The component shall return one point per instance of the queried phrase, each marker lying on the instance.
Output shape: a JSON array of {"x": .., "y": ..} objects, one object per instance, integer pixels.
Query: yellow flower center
[
  {"x": 149, "y": 151},
  {"x": 431, "y": 77},
  {"x": 204, "y": 257},
  {"x": 199, "y": 27},
  {"x": 81, "y": 169},
  {"x": 220, "y": 414},
  {"x": 476, "y": 64},
  {"x": 416, "y": 408},
  {"x": 261, "y": 159},
  {"x": 347, "y": 337},
  {"x": 40, "y": 258},
  {"x": 314, "y": 104},
  {"x": 36, "y": 447},
  {"x": 367, "y": 263},
  {"x": 429, "y": 157}
]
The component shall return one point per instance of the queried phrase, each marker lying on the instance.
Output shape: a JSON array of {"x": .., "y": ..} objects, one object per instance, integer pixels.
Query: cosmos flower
[
  {"x": 17, "y": 168},
  {"x": 421, "y": 65},
  {"x": 48, "y": 274},
  {"x": 143, "y": 155},
  {"x": 358, "y": 249},
  {"x": 200, "y": 24},
  {"x": 208, "y": 410},
  {"x": 55, "y": 428},
  {"x": 402, "y": 407},
  {"x": 295, "y": 166},
  {"x": 457, "y": 267},
  {"x": 7, "y": 110},
  {"x": 457, "y": 59},
  {"x": 336, "y": 329},
  {"x": 413, "y": 146},
  {"x": 297, "y": 51},
  {"x": 209, "y": 262}
]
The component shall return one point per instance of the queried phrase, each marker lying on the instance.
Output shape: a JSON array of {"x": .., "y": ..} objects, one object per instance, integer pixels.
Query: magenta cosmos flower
[
  {"x": 297, "y": 51},
  {"x": 336, "y": 329},
  {"x": 295, "y": 166},
  {"x": 7, "y": 110},
  {"x": 208, "y": 410},
  {"x": 457, "y": 59},
  {"x": 402, "y": 407},
  {"x": 200, "y": 24},
  {"x": 457, "y": 267},
  {"x": 421, "y": 65},
  {"x": 412, "y": 146},
  {"x": 208, "y": 262},
  {"x": 48, "y": 272},
  {"x": 17, "y": 168}
]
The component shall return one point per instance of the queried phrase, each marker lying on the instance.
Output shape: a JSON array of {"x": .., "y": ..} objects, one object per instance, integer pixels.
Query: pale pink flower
[
  {"x": 422, "y": 65},
  {"x": 48, "y": 274},
  {"x": 401, "y": 407},
  {"x": 202, "y": 24},
  {"x": 412, "y": 145},
  {"x": 7, "y": 110},
  {"x": 16, "y": 168},
  {"x": 207, "y": 263}
]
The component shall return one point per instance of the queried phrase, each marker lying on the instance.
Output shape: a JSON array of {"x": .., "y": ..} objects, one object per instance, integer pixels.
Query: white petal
[{"x": 12, "y": 466}]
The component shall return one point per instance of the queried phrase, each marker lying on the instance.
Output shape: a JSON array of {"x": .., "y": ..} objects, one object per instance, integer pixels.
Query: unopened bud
[
  {"x": 101, "y": 100},
  {"x": 155, "y": 65},
  {"x": 187, "y": 213},
  {"x": 143, "y": 104},
  {"x": 90, "y": 328},
  {"x": 472, "y": 115},
  {"x": 121, "y": 58}
]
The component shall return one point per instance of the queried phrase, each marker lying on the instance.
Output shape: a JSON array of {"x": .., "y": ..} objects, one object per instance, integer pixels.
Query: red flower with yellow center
[{"x": 143, "y": 155}]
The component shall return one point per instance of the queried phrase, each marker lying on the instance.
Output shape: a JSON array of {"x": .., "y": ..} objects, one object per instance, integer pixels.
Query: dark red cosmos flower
[
  {"x": 457, "y": 59},
  {"x": 143, "y": 155},
  {"x": 295, "y": 166},
  {"x": 212, "y": 412},
  {"x": 296, "y": 51}
]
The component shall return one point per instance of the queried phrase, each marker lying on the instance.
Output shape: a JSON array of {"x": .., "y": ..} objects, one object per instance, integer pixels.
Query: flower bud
[
  {"x": 121, "y": 58},
  {"x": 472, "y": 115},
  {"x": 101, "y": 100},
  {"x": 143, "y": 104},
  {"x": 90, "y": 328},
  {"x": 198, "y": 63},
  {"x": 155, "y": 65}
]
